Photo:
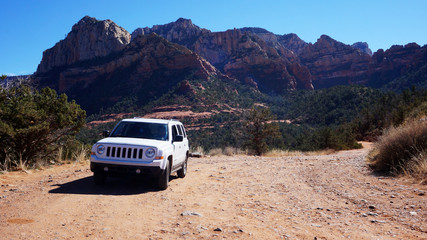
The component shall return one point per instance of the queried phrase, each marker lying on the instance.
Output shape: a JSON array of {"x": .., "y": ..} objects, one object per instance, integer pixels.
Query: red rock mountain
[
  {"x": 395, "y": 62},
  {"x": 88, "y": 39},
  {"x": 239, "y": 54},
  {"x": 332, "y": 63},
  {"x": 100, "y": 60},
  {"x": 146, "y": 68}
]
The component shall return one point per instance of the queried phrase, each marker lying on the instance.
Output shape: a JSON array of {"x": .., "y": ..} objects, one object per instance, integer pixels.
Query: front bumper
[{"x": 125, "y": 170}]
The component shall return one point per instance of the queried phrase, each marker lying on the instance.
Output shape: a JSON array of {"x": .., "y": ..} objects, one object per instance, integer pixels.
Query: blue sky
[{"x": 27, "y": 28}]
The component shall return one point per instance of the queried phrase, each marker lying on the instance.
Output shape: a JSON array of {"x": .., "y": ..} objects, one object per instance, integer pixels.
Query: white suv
[{"x": 142, "y": 146}]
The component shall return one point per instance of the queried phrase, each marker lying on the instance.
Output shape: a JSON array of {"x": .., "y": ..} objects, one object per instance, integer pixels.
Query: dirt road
[{"x": 239, "y": 197}]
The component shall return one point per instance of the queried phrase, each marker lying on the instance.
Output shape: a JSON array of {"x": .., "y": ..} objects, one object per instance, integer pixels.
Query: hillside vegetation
[
  {"x": 35, "y": 124},
  {"x": 332, "y": 118}
]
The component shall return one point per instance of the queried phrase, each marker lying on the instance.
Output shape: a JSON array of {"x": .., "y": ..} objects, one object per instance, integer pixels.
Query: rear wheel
[
  {"x": 163, "y": 180},
  {"x": 99, "y": 178},
  {"x": 183, "y": 171}
]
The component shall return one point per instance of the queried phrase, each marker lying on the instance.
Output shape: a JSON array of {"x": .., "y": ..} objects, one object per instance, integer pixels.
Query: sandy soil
[{"x": 239, "y": 197}]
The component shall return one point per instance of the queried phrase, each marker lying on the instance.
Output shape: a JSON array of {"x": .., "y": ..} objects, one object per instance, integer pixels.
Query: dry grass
[
  {"x": 81, "y": 155},
  {"x": 230, "y": 151},
  {"x": 417, "y": 168},
  {"x": 5, "y": 165},
  {"x": 215, "y": 152},
  {"x": 227, "y": 151},
  {"x": 287, "y": 153},
  {"x": 60, "y": 155},
  {"x": 402, "y": 150}
]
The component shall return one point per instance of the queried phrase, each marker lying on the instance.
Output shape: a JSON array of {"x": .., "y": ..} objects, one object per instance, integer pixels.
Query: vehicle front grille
[{"x": 124, "y": 152}]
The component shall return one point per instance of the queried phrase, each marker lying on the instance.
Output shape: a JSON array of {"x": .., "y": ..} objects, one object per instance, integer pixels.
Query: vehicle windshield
[{"x": 155, "y": 131}]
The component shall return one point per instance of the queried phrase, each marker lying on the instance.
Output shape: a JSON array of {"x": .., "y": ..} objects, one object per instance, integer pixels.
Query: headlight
[
  {"x": 100, "y": 149},
  {"x": 150, "y": 152}
]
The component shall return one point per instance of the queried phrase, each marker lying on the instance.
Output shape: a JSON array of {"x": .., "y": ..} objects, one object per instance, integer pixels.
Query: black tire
[
  {"x": 163, "y": 180},
  {"x": 183, "y": 171},
  {"x": 99, "y": 178}
]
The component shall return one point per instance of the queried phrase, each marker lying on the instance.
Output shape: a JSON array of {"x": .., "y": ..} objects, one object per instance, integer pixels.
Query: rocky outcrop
[
  {"x": 88, "y": 39},
  {"x": 395, "y": 62},
  {"x": 333, "y": 63},
  {"x": 363, "y": 46},
  {"x": 241, "y": 54},
  {"x": 97, "y": 60},
  {"x": 183, "y": 32},
  {"x": 147, "y": 67},
  {"x": 250, "y": 59},
  {"x": 292, "y": 42}
]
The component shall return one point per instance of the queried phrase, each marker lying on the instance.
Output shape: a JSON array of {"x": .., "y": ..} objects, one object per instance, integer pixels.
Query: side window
[
  {"x": 183, "y": 131},
  {"x": 179, "y": 130},
  {"x": 174, "y": 132}
]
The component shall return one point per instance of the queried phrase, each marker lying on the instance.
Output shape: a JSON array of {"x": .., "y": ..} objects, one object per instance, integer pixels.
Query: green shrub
[{"x": 34, "y": 124}]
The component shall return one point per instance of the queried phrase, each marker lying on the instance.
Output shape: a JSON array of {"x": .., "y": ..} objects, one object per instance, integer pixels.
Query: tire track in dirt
[{"x": 236, "y": 197}]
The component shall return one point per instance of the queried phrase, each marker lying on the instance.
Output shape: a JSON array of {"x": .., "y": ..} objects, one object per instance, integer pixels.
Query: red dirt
[{"x": 235, "y": 197}]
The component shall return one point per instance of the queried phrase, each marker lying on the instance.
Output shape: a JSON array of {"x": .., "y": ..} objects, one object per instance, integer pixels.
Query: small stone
[
  {"x": 392, "y": 196},
  {"x": 413, "y": 213},
  {"x": 371, "y": 207},
  {"x": 218, "y": 229},
  {"x": 316, "y": 225},
  {"x": 189, "y": 213},
  {"x": 421, "y": 193},
  {"x": 377, "y": 221},
  {"x": 364, "y": 215},
  {"x": 372, "y": 214}
]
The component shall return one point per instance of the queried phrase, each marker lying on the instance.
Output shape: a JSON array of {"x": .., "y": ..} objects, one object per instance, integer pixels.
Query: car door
[
  {"x": 179, "y": 149},
  {"x": 185, "y": 142}
]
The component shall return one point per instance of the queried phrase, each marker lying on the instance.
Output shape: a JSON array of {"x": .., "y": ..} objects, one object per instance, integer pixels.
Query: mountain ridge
[{"x": 267, "y": 62}]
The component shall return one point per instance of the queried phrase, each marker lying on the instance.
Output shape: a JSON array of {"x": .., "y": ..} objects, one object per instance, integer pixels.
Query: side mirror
[
  {"x": 106, "y": 133},
  {"x": 178, "y": 138}
]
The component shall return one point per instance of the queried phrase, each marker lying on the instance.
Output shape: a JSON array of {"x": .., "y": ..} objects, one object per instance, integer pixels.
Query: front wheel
[
  {"x": 183, "y": 171},
  {"x": 163, "y": 180}
]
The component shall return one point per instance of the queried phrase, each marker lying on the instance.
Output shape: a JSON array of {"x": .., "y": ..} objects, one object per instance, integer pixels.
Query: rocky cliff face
[
  {"x": 88, "y": 39},
  {"x": 292, "y": 42},
  {"x": 362, "y": 46},
  {"x": 395, "y": 62},
  {"x": 289, "y": 42},
  {"x": 183, "y": 32},
  {"x": 331, "y": 63},
  {"x": 98, "y": 60},
  {"x": 240, "y": 54},
  {"x": 147, "y": 67}
]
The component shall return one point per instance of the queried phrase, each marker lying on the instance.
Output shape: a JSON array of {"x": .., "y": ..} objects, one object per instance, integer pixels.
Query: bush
[
  {"x": 261, "y": 129},
  {"x": 33, "y": 125},
  {"x": 402, "y": 150}
]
